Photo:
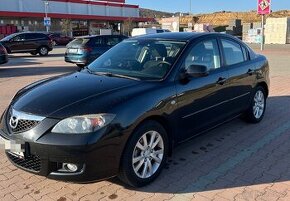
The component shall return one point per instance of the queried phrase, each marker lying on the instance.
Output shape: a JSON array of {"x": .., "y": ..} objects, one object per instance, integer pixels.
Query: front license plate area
[
  {"x": 16, "y": 148},
  {"x": 17, "y": 154}
]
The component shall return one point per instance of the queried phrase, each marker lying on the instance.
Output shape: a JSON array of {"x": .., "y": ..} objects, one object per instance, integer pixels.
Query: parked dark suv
[
  {"x": 3, "y": 55},
  {"x": 28, "y": 42},
  {"x": 84, "y": 50}
]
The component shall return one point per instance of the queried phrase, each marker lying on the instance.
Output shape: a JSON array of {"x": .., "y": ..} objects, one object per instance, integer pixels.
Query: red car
[{"x": 59, "y": 39}]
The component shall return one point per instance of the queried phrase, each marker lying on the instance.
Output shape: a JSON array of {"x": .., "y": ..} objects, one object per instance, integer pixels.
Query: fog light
[{"x": 70, "y": 167}]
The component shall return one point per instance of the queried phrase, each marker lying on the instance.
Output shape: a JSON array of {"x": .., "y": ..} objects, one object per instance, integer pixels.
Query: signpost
[
  {"x": 264, "y": 8},
  {"x": 47, "y": 20}
]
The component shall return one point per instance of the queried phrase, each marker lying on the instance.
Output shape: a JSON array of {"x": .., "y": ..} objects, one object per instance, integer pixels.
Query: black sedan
[
  {"x": 3, "y": 55},
  {"x": 123, "y": 114}
]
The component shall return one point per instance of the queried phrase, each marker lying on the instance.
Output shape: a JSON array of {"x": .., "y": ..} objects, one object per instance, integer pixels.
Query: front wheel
[
  {"x": 145, "y": 155},
  {"x": 258, "y": 106},
  {"x": 43, "y": 51}
]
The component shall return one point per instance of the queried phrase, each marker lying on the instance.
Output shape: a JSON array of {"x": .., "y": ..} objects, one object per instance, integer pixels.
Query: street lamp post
[
  {"x": 46, "y": 4},
  {"x": 190, "y": 7}
]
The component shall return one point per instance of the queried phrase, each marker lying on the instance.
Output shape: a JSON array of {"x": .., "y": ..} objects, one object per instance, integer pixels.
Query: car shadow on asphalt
[
  {"x": 32, "y": 71},
  {"x": 236, "y": 154},
  {"x": 50, "y": 55}
]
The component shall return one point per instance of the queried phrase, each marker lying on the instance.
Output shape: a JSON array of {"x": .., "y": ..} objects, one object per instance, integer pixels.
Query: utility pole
[
  {"x": 46, "y": 4},
  {"x": 190, "y": 7},
  {"x": 263, "y": 32}
]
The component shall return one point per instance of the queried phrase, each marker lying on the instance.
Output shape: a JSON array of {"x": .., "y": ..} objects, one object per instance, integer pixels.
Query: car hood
[{"x": 44, "y": 98}]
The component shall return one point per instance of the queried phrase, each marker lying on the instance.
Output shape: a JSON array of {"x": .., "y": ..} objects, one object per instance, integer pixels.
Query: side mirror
[{"x": 197, "y": 71}]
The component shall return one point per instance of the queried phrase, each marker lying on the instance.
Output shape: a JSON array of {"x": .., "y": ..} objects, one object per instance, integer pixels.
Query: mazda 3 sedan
[{"x": 124, "y": 113}]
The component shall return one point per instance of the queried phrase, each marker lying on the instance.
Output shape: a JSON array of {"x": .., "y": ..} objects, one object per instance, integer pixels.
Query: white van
[{"x": 144, "y": 31}]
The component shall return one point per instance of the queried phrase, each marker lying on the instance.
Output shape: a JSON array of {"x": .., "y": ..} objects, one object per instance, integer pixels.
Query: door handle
[
  {"x": 250, "y": 72},
  {"x": 221, "y": 80}
]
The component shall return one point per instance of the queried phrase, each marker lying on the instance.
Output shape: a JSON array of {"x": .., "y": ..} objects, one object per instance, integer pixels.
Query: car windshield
[
  {"x": 7, "y": 38},
  {"x": 141, "y": 59}
]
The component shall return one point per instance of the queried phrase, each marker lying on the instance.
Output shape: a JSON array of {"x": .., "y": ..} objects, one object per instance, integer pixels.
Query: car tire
[
  {"x": 149, "y": 160},
  {"x": 257, "y": 109},
  {"x": 43, "y": 51}
]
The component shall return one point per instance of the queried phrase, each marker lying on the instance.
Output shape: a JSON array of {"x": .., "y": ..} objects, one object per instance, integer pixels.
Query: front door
[
  {"x": 16, "y": 43},
  {"x": 201, "y": 100}
]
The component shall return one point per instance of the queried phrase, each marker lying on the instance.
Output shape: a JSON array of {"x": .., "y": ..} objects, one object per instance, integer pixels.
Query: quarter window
[
  {"x": 205, "y": 53},
  {"x": 98, "y": 41},
  {"x": 233, "y": 52}
]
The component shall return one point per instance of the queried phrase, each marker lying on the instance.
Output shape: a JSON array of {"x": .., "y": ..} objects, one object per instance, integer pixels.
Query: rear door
[
  {"x": 31, "y": 41},
  {"x": 241, "y": 74}
]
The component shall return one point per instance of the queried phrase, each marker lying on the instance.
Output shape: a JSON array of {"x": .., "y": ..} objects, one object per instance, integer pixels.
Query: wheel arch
[
  {"x": 265, "y": 86},
  {"x": 163, "y": 122}
]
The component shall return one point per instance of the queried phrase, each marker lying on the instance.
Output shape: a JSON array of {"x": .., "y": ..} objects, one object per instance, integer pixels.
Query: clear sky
[{"x": 207, "y": 6}]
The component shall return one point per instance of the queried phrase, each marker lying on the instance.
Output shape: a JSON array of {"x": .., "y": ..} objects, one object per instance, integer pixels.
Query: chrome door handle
[
  {"x": 221, "y": 80},
  {"x": 250, "y": 72}
]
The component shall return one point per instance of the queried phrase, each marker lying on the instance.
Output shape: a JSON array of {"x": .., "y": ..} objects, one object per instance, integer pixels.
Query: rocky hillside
[
  {"x": 217, "y": 19},
  {"x": 223, "y": 18},
  {"x": 153, "y": 13}
]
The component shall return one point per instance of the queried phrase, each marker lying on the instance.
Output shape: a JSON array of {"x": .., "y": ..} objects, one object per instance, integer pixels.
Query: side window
[
  {"x": 98, "y": 41},
  {"x": 20, "y": 37},
  {"x": 205, "y": 53},
  {"x": 233, "y": 52},
  {"x": 159, "y": 31},
  {"x": 31, "y": 36},
  {"x": 111, "y": 41}
]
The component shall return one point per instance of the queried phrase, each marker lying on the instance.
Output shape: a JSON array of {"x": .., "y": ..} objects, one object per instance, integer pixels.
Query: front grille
[
  {"x": 24, "y": 122},
  {"x": 24, "y": 125},
  {"x": 31, "y": 163}
]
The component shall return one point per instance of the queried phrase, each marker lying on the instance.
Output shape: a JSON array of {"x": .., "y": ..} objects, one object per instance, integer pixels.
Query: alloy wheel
[
  {"x": 43, "y": 51},
  {"x": 148, "y": 154},
  {"x": 259, "y": 104}
]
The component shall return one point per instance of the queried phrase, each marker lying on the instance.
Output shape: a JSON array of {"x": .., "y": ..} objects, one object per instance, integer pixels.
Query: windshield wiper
[{"x": 109, "y": 74}]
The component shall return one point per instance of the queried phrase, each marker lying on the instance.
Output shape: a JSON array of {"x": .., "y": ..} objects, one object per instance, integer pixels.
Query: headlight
[{"x": 83, "y": 124}]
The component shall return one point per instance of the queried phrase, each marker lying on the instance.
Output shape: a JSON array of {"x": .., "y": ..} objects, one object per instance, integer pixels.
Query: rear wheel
[
  {"x": 43, "y": 51},
  {"x": 145, "y": 155},
  {"x": 258, "y": 106}
]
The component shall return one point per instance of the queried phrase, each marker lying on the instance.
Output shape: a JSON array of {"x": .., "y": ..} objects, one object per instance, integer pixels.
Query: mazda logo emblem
[{"x": 13, "y": 122}]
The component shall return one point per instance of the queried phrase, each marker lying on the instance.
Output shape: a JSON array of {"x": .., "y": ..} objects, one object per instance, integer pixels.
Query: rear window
[
  {"x": 32, "y": 36},
  {"x": 80, "y": 41}
]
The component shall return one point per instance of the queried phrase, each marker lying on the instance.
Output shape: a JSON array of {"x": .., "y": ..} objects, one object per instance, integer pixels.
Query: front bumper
[
  {"x": 97, "y": 156},
  {"x": 76, "y": 59}
]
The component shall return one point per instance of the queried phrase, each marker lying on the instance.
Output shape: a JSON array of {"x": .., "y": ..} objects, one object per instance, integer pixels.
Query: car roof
[
  {"x": 179, "y": 36},
  {"x": 97, "y": 36},
  {"x": 30, "y": 32}
]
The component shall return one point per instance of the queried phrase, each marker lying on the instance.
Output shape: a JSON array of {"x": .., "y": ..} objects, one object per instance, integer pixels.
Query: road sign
[
  {"x": 47, "y": 21},
  {"x": 264, "y": 7}
]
